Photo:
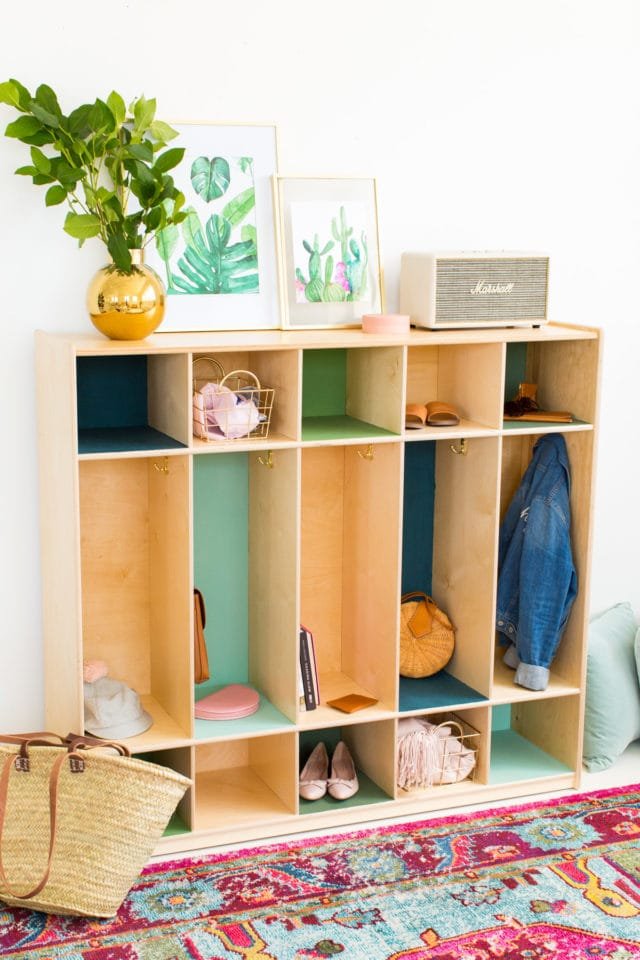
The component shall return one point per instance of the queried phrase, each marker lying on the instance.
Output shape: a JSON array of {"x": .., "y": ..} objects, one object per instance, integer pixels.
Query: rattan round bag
[{"x": 427, "y": 636}]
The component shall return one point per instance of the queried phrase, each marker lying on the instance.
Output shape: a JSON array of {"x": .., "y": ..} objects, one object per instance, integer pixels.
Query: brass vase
[{"x": 126, "y": 306}]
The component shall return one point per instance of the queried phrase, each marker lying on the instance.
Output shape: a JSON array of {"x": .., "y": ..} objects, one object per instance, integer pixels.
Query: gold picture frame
[
  {"x": 329, "y": 250},
  {"x": 226, "y": 176}
]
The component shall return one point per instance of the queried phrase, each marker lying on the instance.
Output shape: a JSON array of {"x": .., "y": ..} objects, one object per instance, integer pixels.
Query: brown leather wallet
[{"x": 351, "y": 702}]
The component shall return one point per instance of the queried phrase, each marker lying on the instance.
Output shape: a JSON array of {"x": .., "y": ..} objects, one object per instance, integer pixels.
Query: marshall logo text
[{"x": 482, "y": 288}]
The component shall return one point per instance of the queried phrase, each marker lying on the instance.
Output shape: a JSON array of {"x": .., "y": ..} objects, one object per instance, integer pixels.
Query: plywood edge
[{"x": 59, "y": 532}]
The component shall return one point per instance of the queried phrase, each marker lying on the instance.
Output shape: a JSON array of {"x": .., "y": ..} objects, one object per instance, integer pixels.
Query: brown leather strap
[
  {"x": 200, "y": 655},
  {"x": 421, "y": 621},
  {"x": 92, "y": 743},
  {"x": 54, "y": 778}
]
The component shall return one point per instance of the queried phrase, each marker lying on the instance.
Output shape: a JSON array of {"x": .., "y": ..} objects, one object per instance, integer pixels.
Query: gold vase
[{"x": 126, "y": 306}]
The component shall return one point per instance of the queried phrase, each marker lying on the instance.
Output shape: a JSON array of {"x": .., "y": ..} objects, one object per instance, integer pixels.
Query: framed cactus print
[
  {"x": 330, "y": 261},
  {"x": 220, "y": 266}
]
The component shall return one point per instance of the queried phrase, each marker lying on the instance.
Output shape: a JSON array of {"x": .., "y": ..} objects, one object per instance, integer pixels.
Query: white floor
[{"x": 625, "y": 771}]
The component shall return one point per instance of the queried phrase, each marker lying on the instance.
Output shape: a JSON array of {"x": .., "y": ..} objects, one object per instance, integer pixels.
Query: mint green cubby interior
[
  {"x": 513, "y": 756},
  {"x": 368, "y": 790},
  {"x": 324, "y": 399},
  {"x": 222, "y": 574}
]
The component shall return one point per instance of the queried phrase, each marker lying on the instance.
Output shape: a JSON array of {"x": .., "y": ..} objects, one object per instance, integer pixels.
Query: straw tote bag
[
  {"x": 427, "y": 636},
  {"x": 77, "y": 821}
]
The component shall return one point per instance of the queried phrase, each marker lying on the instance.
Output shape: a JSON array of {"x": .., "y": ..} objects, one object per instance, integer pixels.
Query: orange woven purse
[{"x": 427, "y": 636}]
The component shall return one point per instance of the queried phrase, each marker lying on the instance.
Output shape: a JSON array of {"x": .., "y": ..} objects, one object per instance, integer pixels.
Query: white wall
[{"x": 488, "y": 123}]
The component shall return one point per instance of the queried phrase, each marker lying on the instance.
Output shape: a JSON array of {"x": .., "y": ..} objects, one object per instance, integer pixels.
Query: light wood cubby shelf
[{"x": 325, "y": 522}]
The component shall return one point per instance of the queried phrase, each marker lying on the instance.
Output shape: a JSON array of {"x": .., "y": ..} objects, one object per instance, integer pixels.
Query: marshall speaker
[{"x": 442, "y": 290}]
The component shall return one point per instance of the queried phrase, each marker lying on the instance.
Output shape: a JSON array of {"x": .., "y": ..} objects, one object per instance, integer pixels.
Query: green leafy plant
[{"x": 102, "y": 159}]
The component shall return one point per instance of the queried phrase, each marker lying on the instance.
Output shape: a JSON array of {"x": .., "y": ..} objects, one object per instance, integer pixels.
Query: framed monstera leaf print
[
  {"x": 219, "y": 266},
  {"x": 330, "y": 259}
]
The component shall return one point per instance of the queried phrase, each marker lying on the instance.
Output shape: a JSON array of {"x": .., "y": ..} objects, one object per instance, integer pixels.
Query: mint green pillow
[{"x": 612, "y": 708}]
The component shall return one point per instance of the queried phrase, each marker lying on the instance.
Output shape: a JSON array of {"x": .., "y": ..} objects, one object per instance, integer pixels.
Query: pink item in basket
[
  {"x": 230, "y": 703},
  {"x": 219, "y": 412},
  {"x": 385, "y": 323}
]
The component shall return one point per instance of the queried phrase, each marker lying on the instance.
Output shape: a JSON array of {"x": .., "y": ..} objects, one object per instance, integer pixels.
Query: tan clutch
[{"x": 351, "y": 702}]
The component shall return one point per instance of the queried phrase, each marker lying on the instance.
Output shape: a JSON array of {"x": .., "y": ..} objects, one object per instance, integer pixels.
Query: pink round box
[{"x": 385, "y": 323}]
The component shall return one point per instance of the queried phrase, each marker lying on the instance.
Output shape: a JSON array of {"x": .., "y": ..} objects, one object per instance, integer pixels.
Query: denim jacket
[{"x": 537, "y": 580}]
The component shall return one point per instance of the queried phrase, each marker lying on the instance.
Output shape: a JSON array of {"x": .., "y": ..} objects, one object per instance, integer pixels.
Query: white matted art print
[
  {"x": 219, "y": 266},
  {"x": 330, "y": 261}
]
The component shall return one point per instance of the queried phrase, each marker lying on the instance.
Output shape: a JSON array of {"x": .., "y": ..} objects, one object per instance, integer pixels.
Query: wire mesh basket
[
  {"x": 436, "y": 750},
  {"x": 232, "y": 406}
]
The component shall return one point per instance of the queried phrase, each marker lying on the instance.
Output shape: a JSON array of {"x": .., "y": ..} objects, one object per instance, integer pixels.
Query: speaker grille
[{"x": 480, "y": 290}]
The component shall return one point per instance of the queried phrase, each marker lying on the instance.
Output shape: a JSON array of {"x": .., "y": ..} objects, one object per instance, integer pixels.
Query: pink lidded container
[{"x": 385, "y": 323}]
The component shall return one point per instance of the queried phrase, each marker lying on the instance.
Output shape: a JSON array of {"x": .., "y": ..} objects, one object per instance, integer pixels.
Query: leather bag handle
[
  {"x": 76, "y": 764},
  {"x": 76, "y": 742},
  {"x": 421, "y": 621}
]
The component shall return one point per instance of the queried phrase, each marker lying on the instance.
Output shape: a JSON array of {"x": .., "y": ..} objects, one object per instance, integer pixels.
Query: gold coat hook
[
  {"x": 268, "y": 460},
  {"x": 462, "y": 448},
  {"x": 162, "y": 467},
  {"x": 368, "y": 453}
]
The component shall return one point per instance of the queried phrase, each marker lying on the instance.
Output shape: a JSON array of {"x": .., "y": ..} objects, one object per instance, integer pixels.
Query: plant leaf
[
  {"x": 166, "y": 241},
  {"x": 43, "y": 115},
  {"x": 10, "y": 94},
  {"x": 218, "y": 231},
  {"x": 210, "y": 178},
  {"x": 23, "y": 127},
  {"x": 143, "y": 113},
  {"x": 141, "y": 151},
  {"x": 82, "y": 225},
  {"x": 100, "y": 118},
  {"x": 117, "y": 106},
  {"x": 153, "y": 219},
  {"x": 246, "y": 284},
  {"x": 161, "y": 131},
  {"x": 78, "y": 121},
  {"x": 238, "y": 208},
  {"x": 169, "y": 159},
  {"x": 66, "y": 174},
  {"x": 192, "y": 229},
  {"x": 26, "y": 171},
  {"x": 119, "y": 250},
  {"x": 249, "y": 232},
  {"x": 55, "y": 195},
  {"x": 40, "y": 161},
  {"x": 48, "y": 101}
]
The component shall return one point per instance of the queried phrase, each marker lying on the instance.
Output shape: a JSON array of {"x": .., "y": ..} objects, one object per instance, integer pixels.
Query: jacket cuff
[
  {"x": 511, "y": 658},
  {"x": 531, "y": 676}
]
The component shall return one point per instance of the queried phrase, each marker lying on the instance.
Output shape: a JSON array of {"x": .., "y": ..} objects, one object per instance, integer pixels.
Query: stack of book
[{"x": 308, "y": 689}]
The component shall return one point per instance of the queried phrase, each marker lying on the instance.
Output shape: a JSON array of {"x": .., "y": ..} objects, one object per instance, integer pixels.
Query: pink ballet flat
[
  {"x": 343, "y": 782},
  {"x": 313, "y": 776}
]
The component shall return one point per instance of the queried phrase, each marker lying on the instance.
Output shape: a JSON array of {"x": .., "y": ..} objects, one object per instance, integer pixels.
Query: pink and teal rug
[{"x": 559, "y": 879}]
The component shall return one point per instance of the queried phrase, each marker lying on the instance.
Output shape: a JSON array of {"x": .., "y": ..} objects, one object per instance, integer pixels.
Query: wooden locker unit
[{"x": 309, "y": 524}]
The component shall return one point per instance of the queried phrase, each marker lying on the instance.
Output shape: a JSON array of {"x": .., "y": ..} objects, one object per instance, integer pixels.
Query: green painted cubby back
[
  {"x": 221, "y": 567},
  {"x": 112, "y": 391},
  {"x": 324, "y": 383},
  {"x": 501, "y": 717},
  {"x": 111, "y": 399},
  {"x": 417, "y": 519},
  {"x": 516, "y": 369}
]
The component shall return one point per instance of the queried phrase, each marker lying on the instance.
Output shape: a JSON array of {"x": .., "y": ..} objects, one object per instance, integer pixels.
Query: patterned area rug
[{"x": 559, "y": 879}]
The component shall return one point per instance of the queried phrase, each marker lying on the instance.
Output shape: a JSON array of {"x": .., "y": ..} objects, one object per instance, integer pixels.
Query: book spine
[
  {"x": 314, "y": 666},
  {"x": 301, "y": 703},
  {"x": 305, "y": 668}
]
